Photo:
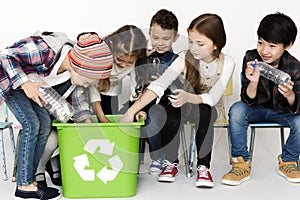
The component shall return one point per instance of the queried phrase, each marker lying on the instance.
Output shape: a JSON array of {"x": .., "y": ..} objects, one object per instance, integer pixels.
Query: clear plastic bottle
[
  {"x": 277, "y": 76},
  {"x": 57, "y": 105},
  {"x": 155, "y": 64},
  {"x": 155, "y": 60}
]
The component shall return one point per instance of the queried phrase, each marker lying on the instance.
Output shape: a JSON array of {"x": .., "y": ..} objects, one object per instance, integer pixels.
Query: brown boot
[
  {"x": 289, "y": 170},
  {"x": 239, "y": 173}
]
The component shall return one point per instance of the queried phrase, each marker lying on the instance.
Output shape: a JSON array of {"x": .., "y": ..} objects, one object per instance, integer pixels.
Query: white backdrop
[{"x": 20, "y": 18}]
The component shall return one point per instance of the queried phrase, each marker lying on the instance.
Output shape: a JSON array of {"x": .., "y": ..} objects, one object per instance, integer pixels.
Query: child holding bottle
[
  {"x": 57, "y": 61},
  {"x": 207, "y": 72}
]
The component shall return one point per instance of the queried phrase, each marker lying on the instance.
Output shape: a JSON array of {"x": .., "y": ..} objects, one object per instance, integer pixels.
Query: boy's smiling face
[
  {"x": 162, "y": 39},
  {"x": 270, "y": 52}
]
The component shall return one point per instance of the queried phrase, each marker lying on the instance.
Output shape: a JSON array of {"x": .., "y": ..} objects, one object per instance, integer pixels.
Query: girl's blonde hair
[{"x": 103, "y": 85}]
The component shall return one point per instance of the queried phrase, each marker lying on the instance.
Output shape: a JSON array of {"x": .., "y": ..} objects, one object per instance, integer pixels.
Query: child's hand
[
  {"x": 252, "y": 72},
  {"x": 31, "y": 90},
  {"x": 141, "y": 114},
  {"x": 287, "y": 89},
  {"x": 181, "y": 97},
  {"x": 103, "y": 119},
  {"x": 149, "y": 51}
]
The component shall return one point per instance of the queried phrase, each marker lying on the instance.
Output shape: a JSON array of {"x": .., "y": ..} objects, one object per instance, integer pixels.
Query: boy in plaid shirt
[{"x": 262, "y": 100}]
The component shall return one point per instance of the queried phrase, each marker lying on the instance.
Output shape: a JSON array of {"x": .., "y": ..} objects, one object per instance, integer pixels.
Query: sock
[
  {"x": 40, "y": 177},
  {"x": 55, "y": 166},
  {"x": 51, "y": 145}
]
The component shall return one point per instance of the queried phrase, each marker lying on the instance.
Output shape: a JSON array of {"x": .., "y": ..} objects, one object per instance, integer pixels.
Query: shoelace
[
  {"x": 203, "y": 171},
  {"x": 169, "y": 167},
  {"x": 237, "y": 171},
  {"x": 289, "y": 168},
  {"x": 156, "y": 162}
]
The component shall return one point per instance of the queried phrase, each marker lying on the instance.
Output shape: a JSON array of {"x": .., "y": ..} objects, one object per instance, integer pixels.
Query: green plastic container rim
[{"x": 94, "y": 118}]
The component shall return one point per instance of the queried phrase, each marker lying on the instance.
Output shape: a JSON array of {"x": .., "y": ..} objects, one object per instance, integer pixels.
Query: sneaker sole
[
  {"x": 20, "y": 198},
  {"x": 154, "y": 173},
  {"x": 291, "y": 180},
  {"x": 56, "y": 198},
  {"x": 166, "y": 179},
  {"x": 204, "y": 184},
  {"x": 235, "y": 183},
  {"x": 154, "y": 169}
]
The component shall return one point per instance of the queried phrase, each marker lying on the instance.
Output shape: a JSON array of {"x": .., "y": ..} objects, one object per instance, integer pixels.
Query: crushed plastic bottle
[
  {"x": 277, "y": 76},
  {"x": 57, "y": 105}
]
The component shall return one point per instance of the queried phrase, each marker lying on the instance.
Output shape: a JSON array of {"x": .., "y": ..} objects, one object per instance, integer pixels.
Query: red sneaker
[
  {"x": 204, "y": 178},
  {"x": 168, "y": 173}
]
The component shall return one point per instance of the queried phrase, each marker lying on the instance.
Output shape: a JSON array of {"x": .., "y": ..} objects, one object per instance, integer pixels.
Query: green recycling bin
[{"x": 99, "y": 160}]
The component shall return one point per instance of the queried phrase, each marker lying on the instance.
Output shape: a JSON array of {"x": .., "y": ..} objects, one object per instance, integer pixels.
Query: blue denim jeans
[
  {"x": 156, "y": 118},
  {"x": 36, "y": 126},
  {"x": 240, "y": 114}
]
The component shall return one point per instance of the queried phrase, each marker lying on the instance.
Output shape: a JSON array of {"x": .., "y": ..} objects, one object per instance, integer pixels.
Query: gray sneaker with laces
[{"x": 156, "y": 166}]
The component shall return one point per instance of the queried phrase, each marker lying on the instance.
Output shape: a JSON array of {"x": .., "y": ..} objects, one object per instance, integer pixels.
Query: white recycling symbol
[{"x": 105, "y": 175}]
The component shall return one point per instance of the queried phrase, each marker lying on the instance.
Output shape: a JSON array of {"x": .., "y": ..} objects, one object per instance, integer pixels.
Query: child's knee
[{"x": 237, "y": 111}]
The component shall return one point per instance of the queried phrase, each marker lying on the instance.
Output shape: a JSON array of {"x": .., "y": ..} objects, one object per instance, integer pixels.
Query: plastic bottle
[
  {"x": 57, "y": 105},
  {"x": 155, "y": 63},
  {"x": 277, "y": 76}
]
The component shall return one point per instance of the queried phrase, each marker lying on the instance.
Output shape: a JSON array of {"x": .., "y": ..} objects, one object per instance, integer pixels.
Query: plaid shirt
[
  {"x": 80, "y": 102},
  {"x": 288, "y": 64},
  {"x": 28, "y": 55}
]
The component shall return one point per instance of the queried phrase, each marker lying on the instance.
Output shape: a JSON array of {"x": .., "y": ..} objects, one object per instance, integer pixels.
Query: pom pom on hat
[{"x": 91, "y": 57}]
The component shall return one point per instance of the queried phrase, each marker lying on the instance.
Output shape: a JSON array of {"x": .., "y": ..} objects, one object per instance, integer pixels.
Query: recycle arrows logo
[{"x": 105, "y": 175}]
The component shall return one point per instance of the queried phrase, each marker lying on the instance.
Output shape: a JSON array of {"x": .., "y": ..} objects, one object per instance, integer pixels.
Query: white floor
[{"x": 264, "y": 184}]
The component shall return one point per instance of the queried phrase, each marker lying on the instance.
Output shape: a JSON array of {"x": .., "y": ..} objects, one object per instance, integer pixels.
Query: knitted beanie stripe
[
  {"x": 91, "y": 57},
  {"x": 90, "y": 73},
  {"x": 86, "y": 62}
]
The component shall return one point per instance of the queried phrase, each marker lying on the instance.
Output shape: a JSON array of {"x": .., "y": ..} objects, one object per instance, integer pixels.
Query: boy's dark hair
[
  {"x": 277, "y": 28},
  {"x": 166, "y": 19}
]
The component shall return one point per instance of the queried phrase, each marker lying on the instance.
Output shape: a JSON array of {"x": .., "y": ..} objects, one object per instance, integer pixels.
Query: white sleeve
[
  {"x": 94, "y": 94},
  {"x": 216, "y": 92},
  {"x": 132, "y": 85}
]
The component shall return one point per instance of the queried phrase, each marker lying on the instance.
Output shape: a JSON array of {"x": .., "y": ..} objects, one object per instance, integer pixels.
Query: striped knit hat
[{"x": 91, "y": 57}]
